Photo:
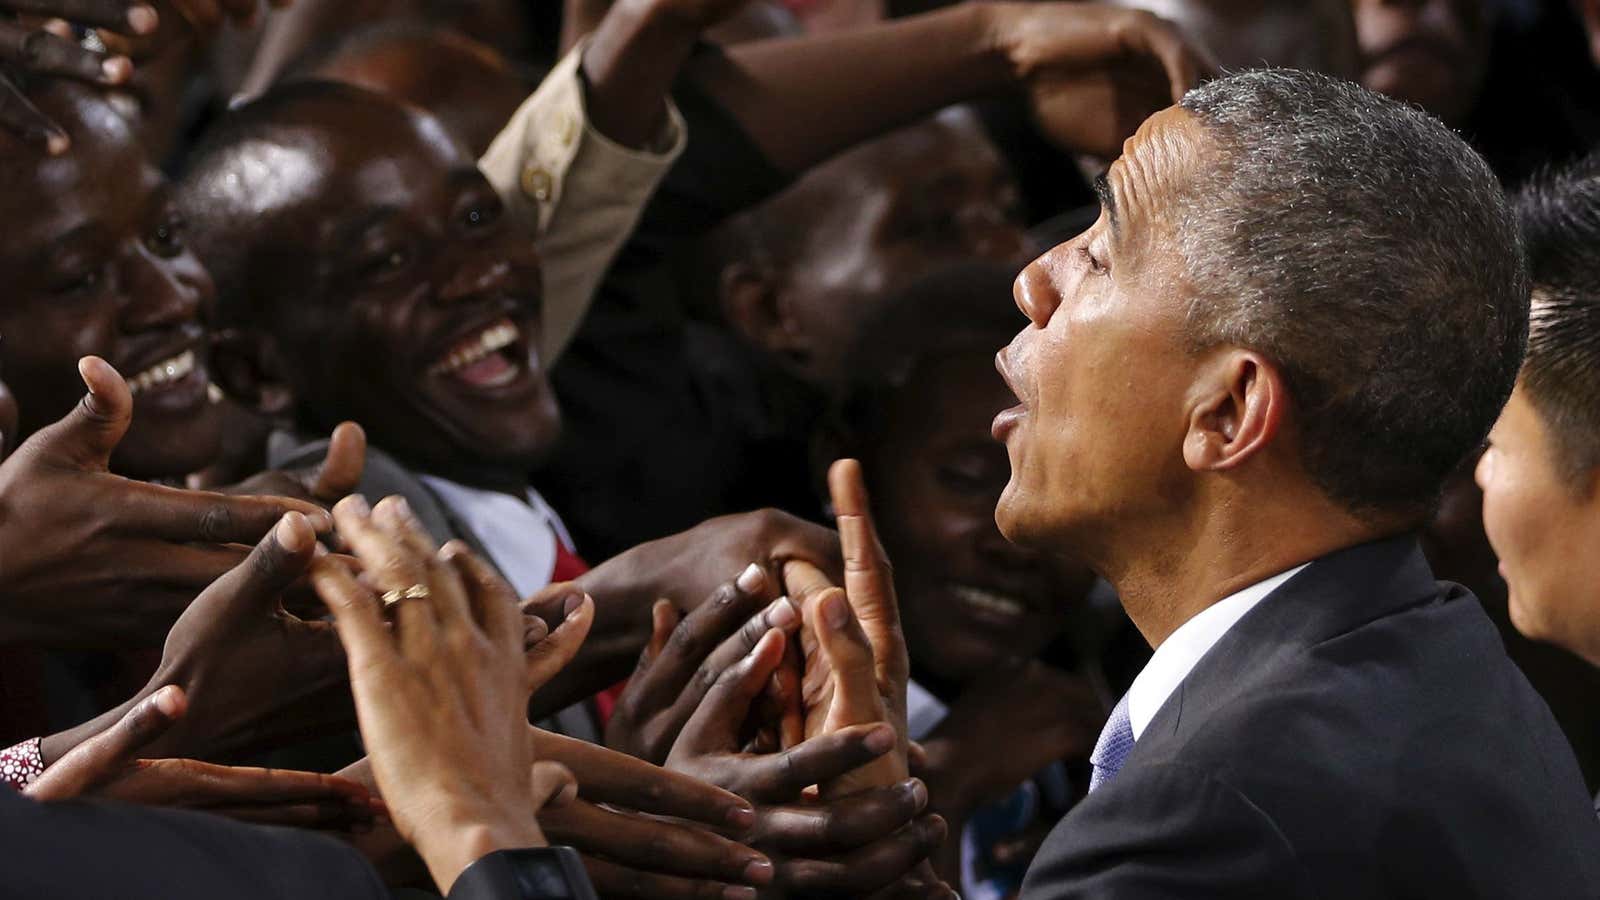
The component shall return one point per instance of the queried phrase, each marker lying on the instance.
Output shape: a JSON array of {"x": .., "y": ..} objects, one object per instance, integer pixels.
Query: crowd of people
[{"x": 458, "y": 447}]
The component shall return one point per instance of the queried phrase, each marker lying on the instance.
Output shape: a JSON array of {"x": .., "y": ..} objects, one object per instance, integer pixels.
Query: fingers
[
  {"x": 616, "y": 778},
  {"x": 619, "y": 882},
  {"x": 22, "y": 120},
  {"x": 201, "y": 785},
  {"x": 183, "y": 516},
  {"x": 391, "y": 566},
  {"x": 816, "y": 830},
  {"x": 117, "y": 15},
  {"x": 1154, "y": 37},
  {"x": 106, "y": 754},
  {"x": 715, "y": 725},
  {"x": 342, "y": 467},
  {"x": 38, "y": 51},
  {"x": 554, "y": 787},
  {"x": 86, "y": 438},
  {"x": 781, "y": 777},
  {"x": 655, "y": 845},
  {"x": 780, "y": 615},
  {"x": 868, "y": 577},
  {"x": 552, "y": 654},
  {"x": 664, "y": 619},
  {"x": 493, "y": 602},
  {"x": 281, "y": 557},
  {"x": 867, "y": 868},
  {"x": 359, "y": 620},
  {"x": 848, "y": 654},
  {"x": 695, "y": 638}
]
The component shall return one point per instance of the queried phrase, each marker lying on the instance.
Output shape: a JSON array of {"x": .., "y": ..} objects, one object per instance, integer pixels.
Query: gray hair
[{"x": 1368, "y": 251}]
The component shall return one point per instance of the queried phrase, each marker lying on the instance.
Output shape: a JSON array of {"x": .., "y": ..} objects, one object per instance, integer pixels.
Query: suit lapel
[{"x": 1332, "y": 596}]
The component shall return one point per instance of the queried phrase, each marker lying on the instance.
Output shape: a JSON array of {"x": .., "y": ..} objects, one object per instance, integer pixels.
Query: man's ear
[
  {"x": 752, "y": 302},
  {"x": 1236, "y": 408},
  {"x": 250, "y": 370}
]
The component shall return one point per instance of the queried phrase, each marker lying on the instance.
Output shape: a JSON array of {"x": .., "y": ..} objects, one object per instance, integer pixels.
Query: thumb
[
  {"x": 101, "y": 757},
  {"x": 281, "y": 557},
  {"x": 89, "y": 434},
  {"x": 340, "y": 472},
  {"x": 714, "y": 727}
]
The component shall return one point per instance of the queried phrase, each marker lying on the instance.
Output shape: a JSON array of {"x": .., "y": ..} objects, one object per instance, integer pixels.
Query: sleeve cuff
[{"x": 21, "y": 764}]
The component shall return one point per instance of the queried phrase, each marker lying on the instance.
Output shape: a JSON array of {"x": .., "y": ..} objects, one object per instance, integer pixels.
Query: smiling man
[{"x": 1242, "y": 388}]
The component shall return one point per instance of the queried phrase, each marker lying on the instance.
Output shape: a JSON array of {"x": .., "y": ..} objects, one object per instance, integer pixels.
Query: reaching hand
[
  {"x": 442, "y": 695},
  {"x": 109, "y": 767},
  {"x": 36, "y": 50},
  {"x": 91, "y": 559},
  {"x": 1095, "y": 72},
  {"x": 856, "y": 666},
  {"x": 684, "y": 658}
]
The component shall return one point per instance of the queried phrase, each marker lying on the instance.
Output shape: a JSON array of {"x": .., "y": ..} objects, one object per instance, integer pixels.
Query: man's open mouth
[
  {"x": 489, "y": 357},
  {"x": 173, "y": 370}
]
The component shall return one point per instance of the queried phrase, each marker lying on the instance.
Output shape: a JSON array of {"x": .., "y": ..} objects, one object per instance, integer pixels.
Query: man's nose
[
  {"x": 1035, "y": 293},
  {"x": 159, "y": 295}
]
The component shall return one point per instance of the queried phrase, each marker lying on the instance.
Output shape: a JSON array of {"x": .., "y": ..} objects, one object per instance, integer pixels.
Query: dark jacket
[{"x": 1359, "y": 734}]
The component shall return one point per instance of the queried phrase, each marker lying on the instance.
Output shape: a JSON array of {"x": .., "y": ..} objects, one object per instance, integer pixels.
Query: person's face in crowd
[
  {"x": 1101, "y": 370},
  {"x": 95, "y": 262},
  {"x": 869, "y": 223},
  {"x": 969, "y": 598},
  {"x": 1543, "y": 530},
  {"x": 1430, "y": 52},
  {"x": 401, "y": 296}
]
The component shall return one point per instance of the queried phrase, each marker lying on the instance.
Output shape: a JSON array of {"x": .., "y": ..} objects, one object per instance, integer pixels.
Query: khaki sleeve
[{"x": 580, "y": 192}]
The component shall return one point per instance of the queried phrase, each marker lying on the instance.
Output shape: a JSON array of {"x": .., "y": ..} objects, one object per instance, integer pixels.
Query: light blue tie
[{"x": 1116, "y": 740}]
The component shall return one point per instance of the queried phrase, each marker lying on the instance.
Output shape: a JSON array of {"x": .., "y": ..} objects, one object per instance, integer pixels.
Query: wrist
[
  {"x": 459, "y": 840},
  {"x": 994, "y": 27}
]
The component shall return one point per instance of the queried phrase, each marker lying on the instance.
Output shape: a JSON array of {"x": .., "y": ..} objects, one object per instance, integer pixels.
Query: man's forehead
[{"x": 1156, "y": 165}]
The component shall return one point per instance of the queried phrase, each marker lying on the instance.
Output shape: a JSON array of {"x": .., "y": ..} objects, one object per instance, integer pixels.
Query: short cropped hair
[
  {"x": 1370, "y": 253},
  {"x": 1559, "y": 214}
]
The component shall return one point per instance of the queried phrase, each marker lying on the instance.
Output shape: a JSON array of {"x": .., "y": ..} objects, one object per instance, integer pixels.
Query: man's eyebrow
[{"x": 1108, "y": 199}]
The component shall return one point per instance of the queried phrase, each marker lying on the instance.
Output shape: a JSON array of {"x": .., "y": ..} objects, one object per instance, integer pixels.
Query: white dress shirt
[
  {"x": 1182, "y": 650},
  {"x": 520, "y": 537}
]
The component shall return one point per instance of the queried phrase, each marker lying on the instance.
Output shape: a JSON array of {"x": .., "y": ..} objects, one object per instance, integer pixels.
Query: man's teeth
[
  {"x": 174, "y": 369},
  {"x": 495, "y": 337},
  {"x": 989, "y": 600}
]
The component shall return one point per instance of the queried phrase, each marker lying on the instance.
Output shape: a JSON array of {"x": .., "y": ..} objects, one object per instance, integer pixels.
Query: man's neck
[
  {"x": 1229, "y": 548},
  {"x": 503, "y": 479}
]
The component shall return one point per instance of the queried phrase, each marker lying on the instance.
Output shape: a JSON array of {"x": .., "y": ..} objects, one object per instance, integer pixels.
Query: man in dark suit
[{"x": 1242, "y": 388}]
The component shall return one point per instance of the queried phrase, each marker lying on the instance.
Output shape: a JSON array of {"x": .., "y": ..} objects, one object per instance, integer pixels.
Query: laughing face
[
  {"x": 392, "y": 288},
  {"x": 95, "y": 262},
  {"x": 970, "y": 599}
]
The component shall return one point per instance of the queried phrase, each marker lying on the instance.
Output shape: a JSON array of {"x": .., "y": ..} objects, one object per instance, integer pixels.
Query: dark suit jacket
[
  {"x": 67, "y": 851},
  {"x": 1359, "y": 734}
]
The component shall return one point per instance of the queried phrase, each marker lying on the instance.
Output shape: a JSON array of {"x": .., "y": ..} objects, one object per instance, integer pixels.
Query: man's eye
[
  {"x": 79, "y": 282},
  {"x": 167, "y": 240},
  {"x": 1090, "y": 260},
  {"x": 480, "y": 216}
]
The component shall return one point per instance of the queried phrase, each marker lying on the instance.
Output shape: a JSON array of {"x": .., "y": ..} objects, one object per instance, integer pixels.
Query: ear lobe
[
  {"x": 249, "y": 369},
  {"x": 1240, "y": 404},
  {"x": 753, "y": 304}
]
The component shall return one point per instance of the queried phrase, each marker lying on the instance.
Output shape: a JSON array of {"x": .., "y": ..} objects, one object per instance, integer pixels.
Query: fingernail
[
  {"x": 290, "y": 535},
  {"x": 321, "y": 520},
  {"x": 142, "y": 19},
  {"x": 918, "y": 792},
  {"x": 116, "y": 69},
  {"x": 402, "y": 509},
  {"x": 166, "y": 700},
  {"x": 881, "y": 739},
  {"x": 751, "y": 579},
  {"x": 782, "y": 614},
  {"x": 741, "y": 817},
  {"x": 574, "y": 604},
  {"x": 835, "y": 610},
  {"x": 357, "y": 504},
  {"x": 738, "y": 893},
  {"x": 759, "y": 871},
  {"x": 56, "y": 143}
]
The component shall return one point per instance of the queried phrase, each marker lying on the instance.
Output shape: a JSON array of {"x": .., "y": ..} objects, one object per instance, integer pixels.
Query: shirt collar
[{"x": 1182, "y": 650}]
